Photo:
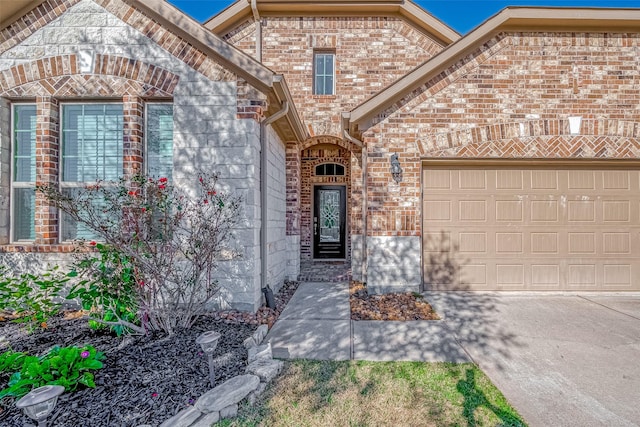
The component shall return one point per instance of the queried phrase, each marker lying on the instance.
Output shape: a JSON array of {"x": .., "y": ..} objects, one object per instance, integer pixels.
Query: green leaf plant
[
  {"x": 33, "y": 298},
  {"x": 69, "y": 367},
  {"x": 107, "y": 290}
]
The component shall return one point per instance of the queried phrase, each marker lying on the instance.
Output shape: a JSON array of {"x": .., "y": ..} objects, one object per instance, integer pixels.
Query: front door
[{"x": 329, "y": 221}]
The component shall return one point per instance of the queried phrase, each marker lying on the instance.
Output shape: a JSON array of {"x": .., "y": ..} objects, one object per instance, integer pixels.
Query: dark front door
[{"x": 329, "y": 221}]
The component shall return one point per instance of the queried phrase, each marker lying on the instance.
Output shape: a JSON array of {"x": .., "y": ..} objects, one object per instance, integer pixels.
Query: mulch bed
[
  {"x": 145, "y": 379},
  {"x": 394, "y": 306}
]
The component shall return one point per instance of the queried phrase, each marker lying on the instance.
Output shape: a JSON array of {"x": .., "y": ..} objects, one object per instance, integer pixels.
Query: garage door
[{"x": 499, "y": 228}]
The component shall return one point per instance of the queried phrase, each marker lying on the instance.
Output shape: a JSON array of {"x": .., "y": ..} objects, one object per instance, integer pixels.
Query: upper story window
[
  {"x": 324, "y": 73},
  {"x": 91, "y": 149},
  {"x": 329, "y": 169}
]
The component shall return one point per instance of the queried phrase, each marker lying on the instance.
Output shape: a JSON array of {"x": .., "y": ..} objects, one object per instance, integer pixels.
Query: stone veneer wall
[
  {"x": 135, "y": 60},
  {"x": 511, "y": 98},
  {"x": 278, "y": 253}
]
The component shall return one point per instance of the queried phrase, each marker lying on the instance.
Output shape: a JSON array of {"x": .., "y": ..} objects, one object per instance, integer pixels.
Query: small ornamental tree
[{"x": 171, "y": 240}]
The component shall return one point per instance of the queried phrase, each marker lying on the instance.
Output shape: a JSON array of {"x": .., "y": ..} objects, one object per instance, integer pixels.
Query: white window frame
[
  {"x": 13, "y": 184},
  {"x": 75, "y": 184},
  {"x": 315, "y": 72}
]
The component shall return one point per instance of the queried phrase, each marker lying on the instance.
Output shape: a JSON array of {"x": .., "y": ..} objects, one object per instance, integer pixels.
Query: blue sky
[{"x": 461, "y": 15}]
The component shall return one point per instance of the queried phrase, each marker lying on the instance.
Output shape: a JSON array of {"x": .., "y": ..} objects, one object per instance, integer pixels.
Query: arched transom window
[{"x": 329, "y": 169}]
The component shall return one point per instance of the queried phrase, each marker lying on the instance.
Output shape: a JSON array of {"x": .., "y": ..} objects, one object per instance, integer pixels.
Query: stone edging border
[{"x": 223, "y": 400}]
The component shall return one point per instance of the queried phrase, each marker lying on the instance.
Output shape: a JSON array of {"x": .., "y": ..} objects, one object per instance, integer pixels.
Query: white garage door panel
[{"x": 531, "y": 229}]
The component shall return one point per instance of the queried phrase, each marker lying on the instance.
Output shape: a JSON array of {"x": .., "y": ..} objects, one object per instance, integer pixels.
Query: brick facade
[
  {"x": 511, "y": 98},
  {"x": 371, "y": 53}
]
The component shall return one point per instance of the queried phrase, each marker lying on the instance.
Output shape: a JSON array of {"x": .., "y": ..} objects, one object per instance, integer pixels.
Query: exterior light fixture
[
  {"x": 40, "y": 402},
  {"x": 574, "y": 125},
  {"x": 209, "y": 341},
  {"x": 396, "y": 170}
]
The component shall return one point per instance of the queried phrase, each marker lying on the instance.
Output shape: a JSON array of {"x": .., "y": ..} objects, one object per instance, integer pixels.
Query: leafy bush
[
  {"x": 65, "y": 366},
  {"x": 33, "y": 298},
  {"x": 171, "y": 239},
  {"x": 108, "y": 291}
]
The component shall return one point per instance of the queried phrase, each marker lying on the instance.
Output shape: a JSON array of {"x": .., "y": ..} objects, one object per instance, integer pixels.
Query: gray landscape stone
[
  {"x": 229, "y": 412},
  {"x": 253, "y": 396},
  {"x": 184, "y": 418},
  {"x": 227, "y": 393},
  {"x": 260, "y": 352},
  {"x": 266, "y": 369},
  {"x": 260, "y": 333},
  {"x": 249, "y": 343},
  {"x": 207, "y": 420}
]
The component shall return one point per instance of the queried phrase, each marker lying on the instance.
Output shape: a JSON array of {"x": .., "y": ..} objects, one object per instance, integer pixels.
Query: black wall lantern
[{"x": 396, "y": 170}]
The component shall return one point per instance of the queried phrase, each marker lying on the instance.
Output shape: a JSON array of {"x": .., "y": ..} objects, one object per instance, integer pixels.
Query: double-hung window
[
  {"x": 324, "y": 73},
  {"x": 92, "y": 151},
  {"x": 23, "y": 195}
]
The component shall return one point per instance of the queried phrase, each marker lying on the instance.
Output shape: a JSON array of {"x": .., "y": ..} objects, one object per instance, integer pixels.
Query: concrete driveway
[{"x": 561, "y": 360}]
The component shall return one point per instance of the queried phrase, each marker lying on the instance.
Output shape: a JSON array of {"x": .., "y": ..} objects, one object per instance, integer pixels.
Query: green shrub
[
  {"x": 108, "y": 292},
  {"x": 33, "y": 298},
  {"x": 65, "y": 366}
]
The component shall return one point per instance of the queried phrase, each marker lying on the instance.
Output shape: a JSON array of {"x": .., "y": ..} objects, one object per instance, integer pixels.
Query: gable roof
[
  {"x": 231, "y": 58},
  {"x": 240, "y": 11},
  {"x": 509, "y": 19}
]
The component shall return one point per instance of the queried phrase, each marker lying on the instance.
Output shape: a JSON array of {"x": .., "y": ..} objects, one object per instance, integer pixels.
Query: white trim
[{"x": 331, "y": 52}]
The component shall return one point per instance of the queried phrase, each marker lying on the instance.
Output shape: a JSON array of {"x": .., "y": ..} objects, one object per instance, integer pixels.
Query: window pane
[
  {"x": 24, "y": 148},
  {"x": 92, "y": 142},
  {"x": 71, "y": 230},
  {"x": 339, "y": 170},
  {"x": 159, "y": 134},
  {"x": 24, "y": 210}
]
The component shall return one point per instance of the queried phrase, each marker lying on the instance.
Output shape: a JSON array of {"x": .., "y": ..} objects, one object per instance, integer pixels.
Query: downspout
[
  {"x": 256, "y": 17},
  {"x": 264, "y": 150},
  {"x": 360, "y": 144}
]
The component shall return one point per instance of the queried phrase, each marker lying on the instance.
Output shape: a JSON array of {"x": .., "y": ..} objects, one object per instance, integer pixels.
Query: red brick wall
[
  {"x": 510, "y": 99},
  {"x": 371, "y": 53}
]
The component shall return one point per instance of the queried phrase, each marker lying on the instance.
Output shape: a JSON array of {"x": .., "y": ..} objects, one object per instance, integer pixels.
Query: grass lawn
[{"x": 312, "y": 393}]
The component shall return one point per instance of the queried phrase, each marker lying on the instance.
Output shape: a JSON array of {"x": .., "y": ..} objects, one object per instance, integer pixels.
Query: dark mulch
[
  {"x": 145, "y": 380},
  {"x": 393, "y": 306}
]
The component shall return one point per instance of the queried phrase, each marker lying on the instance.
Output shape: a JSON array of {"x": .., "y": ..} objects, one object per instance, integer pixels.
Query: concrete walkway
[
  {"x": 316, "y": 324},
  {"x": 560, "y": 359}
]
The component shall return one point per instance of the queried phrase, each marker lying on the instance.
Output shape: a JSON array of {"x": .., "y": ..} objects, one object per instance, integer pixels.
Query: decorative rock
[
  {"x": 229, "y": 412},
  {"x": 207, "y": 420},
  {"x": 249, "y": 342},
  {"x": 253, "y": 396},
  {"x": 227, "y": 393},
  {"x": 266, "y": 369},
  {"x": 184, "y": 418},
  {"x": 260, "y": 352},
  {"x": 260, "y": 333}
]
